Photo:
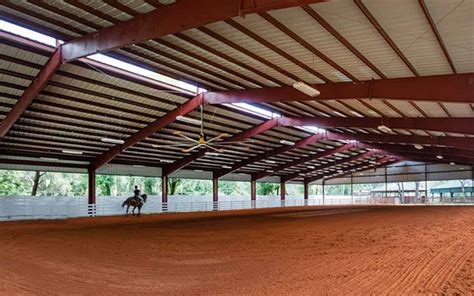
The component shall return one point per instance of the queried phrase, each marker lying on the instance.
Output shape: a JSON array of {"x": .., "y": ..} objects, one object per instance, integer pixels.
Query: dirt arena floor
[{"x": 310, "y": 251}]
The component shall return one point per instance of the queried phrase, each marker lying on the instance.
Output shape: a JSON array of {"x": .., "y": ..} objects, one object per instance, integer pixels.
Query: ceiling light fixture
[
  {"x": 112, "y": 141},
  {"x": 226, "y": 167},
  {"x": 452, "y": 163},
  {"x": 166, "y": 160},
  {"x": 418, "y": 146},
  {"x": 285, "y": 142},
  {"x": 384, "y": 128},
  {"x": 270, "y": 171},
  {"x": 188, "y": 120},
  {"x": 306, "y": 89},
  {"x": 67, "y": 151},
  {"x": 439, "y": 156},
  {"x": 269, "y": 161}
]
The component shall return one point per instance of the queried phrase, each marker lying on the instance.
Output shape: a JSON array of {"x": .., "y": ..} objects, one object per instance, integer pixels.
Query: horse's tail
[{"x": 125, "y": 202}]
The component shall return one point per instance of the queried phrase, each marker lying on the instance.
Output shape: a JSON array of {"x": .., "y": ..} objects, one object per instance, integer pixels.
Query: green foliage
[
  {"x": 267, "y": 188},
  {"x": 104, "y": 184},
  {"x": 173, "y": 184},
  {"x": 234, "y": 188}
]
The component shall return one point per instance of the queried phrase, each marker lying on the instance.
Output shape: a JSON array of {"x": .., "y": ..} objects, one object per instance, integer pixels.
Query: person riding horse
[
  {"x": 136, "y": 201},
  {"x": 136, "y": 193}
]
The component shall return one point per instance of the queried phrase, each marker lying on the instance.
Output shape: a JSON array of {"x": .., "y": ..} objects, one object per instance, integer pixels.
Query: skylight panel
[{"x": 50, "y": 41}]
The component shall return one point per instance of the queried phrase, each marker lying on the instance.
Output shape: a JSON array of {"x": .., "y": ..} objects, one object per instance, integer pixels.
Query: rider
[{"x": 136, "y": 193}]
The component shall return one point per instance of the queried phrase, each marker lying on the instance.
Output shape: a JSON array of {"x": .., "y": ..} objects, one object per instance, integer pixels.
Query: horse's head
[{"x": 144, "y": 196}]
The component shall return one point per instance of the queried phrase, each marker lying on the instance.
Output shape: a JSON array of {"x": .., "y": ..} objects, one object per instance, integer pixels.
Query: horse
[{"x": 135, "y": 202}]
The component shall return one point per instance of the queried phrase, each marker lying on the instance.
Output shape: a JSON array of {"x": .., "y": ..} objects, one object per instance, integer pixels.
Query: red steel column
[
  {"x": 164, "y": 189},
  {"x": 282, "y": 190},
  {"x": 253, "y": 190},
  {"x": 215, "y": 192},
  {"x": 91, "y": 187},
  {"x": 306, "y": 189}
]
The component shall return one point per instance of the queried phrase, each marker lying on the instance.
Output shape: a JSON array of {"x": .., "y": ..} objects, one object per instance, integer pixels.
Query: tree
[
  {"x": 36, "y": 181},
  {"x": 104, "y": 184},
  {"x": 173, "y": 184},
  {"x": 267, "y": 188}
]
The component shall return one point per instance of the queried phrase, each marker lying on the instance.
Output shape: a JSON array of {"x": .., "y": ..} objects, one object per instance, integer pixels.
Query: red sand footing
[{"x": 388, "y": 250}]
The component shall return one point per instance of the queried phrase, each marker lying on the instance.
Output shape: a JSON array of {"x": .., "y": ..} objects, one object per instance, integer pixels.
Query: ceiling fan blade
[
  {"x": 179, "y": 133},
  {"x": 191, "y": 149},
  {"x": 223, "y": 135},
  {"x": 215, "y": 149},
  {"x": 170, "y": 145}
]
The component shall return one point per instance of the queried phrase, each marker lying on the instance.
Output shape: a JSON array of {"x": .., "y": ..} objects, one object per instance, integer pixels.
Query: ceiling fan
[{"x": 202, "y": 140}]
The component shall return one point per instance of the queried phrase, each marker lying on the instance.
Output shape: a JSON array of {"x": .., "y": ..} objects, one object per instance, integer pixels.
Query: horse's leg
[
  {"x": 133, "y": 211},
  {"x": 128, "y": 206},
  {"x": 139, "y": 210}
]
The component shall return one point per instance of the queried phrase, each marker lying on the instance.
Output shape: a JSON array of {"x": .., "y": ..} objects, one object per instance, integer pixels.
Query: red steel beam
[
  {"x": 301, "y": 161},
  {"x": 420, "y": 156},
  {"x": 457, "y": 142},
  {"x": 177, "y": 165},
  {"x": 380, "y": 162},
  {"x": 463, "y": 125},
  {"x": 167, "y": 19},
  {"x": 31, "y": 92},
  {"x": 447, "y": 88},
  {"x": 444, "y": 151},
  {"x": 351, "y": 158},
  {"x": 148, "y": 131},
  {"x": 436, "y": 33},
  {"x": 276, "y": 151}
]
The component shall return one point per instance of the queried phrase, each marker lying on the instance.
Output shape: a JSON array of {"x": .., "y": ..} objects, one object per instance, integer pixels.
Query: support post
[
  {"x": 306, "y": 191},
  {"x": 352, "y": 188},
  {"x": 426, "y": 182},
  {"x": 386, "y": 184},
  {"x": 215, "y": 192},
  {"x": 91, "y": 192},
  {"x": 324, "y": 182},
  {"x": 253, "y": 190},
  {"x": 282, "y": 190},
  {"x": 164, "y": 192}
]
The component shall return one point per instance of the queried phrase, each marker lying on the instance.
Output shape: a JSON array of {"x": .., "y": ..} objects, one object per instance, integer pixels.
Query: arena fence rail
[{"x": 46, "y": 207}]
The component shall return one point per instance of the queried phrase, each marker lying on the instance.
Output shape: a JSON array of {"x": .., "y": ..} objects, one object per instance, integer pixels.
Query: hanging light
[
  {"x": 452, "y": 163},
  {"x": 67, "y": 151},
  {"x": 188, "y": 120},
  {"x": 285, "y": 142},
  {"x": 112, "y": 141},
  {"x": 439, "y": 156},
  {"x": 306, "y": 89},
  {"x": 384, "y": 128},
  {"x": 166, "y": 160},
  {"x": 418, "y": 146}
]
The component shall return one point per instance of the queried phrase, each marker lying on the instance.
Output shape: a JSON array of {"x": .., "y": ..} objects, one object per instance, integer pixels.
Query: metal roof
[{"x": 321, "y": 43}]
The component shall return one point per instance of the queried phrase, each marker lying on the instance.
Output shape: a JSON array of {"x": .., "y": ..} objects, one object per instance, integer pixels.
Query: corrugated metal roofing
[{"x": 81, "y": 104}]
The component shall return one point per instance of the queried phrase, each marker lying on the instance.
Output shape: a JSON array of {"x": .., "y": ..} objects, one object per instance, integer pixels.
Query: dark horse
[{"x": 135, "y": 202}]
